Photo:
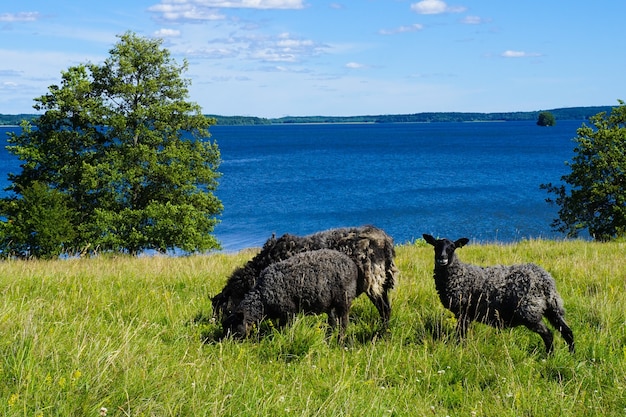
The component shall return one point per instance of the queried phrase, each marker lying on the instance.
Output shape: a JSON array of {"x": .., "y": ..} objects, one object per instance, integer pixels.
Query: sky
[{"x": 275, "y": 58}]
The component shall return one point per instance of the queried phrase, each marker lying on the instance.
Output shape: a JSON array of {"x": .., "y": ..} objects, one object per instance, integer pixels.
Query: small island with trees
[{"x": 546, "y": 119}]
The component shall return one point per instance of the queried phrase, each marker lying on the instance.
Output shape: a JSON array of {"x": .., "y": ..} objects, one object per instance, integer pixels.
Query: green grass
[{"x": 127, "y": 334}]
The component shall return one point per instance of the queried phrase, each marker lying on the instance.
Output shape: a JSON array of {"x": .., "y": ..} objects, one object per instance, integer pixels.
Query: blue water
[{"x": 478, "y": 180}]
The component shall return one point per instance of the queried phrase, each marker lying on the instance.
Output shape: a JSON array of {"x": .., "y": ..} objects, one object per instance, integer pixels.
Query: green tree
[
  {"x": 546, "y": 119},
  {"x": 593, "y": 197},
  {"x": 40, "y": 223},
  {"x": 127, "y": 150}
]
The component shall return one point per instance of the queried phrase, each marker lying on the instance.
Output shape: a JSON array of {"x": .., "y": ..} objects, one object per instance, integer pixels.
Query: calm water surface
[{"x": 479, "y": 180}]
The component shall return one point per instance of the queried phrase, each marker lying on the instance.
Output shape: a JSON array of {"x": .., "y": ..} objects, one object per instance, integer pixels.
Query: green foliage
[
  {"x": 126, "y": 333},
  {"x": 593, "y": 197},
  {"x": 128, "y": 152},
  {"x": 15, "y": 119},
  {"x": 546, "y": 119},
  {"x": 239, "y": 120},
  {"x": 40, "y": 223}
]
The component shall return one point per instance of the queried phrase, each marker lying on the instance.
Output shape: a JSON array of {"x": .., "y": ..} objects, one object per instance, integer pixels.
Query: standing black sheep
[
  {"x": 369, "y": 247},
  {"x": 501, "y": 296},
  {"x": 320, "y": 281}
]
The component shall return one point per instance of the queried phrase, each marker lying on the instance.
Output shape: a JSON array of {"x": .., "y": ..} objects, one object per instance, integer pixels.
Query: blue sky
[{"x": 273, "y": 58}]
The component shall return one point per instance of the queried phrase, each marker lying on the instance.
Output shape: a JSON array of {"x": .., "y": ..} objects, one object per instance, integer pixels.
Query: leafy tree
[
  {"x": 594, "y": 194},
  {"x": 546, "y": 119},
  {"x": 40, "y": 223},
  {"x": 127, "y": 152}
]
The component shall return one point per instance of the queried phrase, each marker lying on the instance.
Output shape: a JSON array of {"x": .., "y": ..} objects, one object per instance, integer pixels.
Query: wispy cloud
[
  {"x": 284, "y": 48},
  {"x": 207, "y": 10},
  {"x": 10, "y": 73},
  {"x": 167, "y": 33},
  {"x": 474, "y": 20},
  {"x": 20, "y": 17},
  {"x": 435, "y": 7},
  {"x": 254, "y": 4},
  {"x": 518, "y": 54},
  {"x": 213, "y": 53},
  {"x": 185, "y": 11},
  {"x": 402, "y": 29},
  {"x": 355, "y": 65}
]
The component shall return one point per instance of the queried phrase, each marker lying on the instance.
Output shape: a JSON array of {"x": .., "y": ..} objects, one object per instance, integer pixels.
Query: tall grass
[{"x": 128, "y": 336}]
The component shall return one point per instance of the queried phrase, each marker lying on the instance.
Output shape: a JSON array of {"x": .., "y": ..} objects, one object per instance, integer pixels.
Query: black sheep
[
  {"x": 501, "y": 296},
  {"x": 369, "y": 247},
  {"x": 315, "y": 282}
]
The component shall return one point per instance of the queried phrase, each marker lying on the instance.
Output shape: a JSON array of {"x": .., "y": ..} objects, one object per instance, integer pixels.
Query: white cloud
[
  {"x": 402, "y": 29},
  {"x": 20, "y": 17},
  {"x": 185, "y": 11},
  {"x": 198, "y": 10},
  {"x": 208, "y": 10},
  {"x": 518, "y": 54},
  {"x": 435, "y": 7},
  {"x": 253, "y": 4},
  {"x": 212, "y": 53},
  {"x": 294, "y": 43},
  {"x": 474, "y": 20},
  {"x": 354, "y": 65},
  {"x": 282, "y": 48},
  {"x": 271, "y": 55},
  {"x": 167, "y": 33}
]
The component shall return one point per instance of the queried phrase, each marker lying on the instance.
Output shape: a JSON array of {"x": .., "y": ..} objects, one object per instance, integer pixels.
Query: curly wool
[
  {"x": 315, "y": 282},
  {"x": 369, "y": 247},
  {"x": 501, "y": 296}
]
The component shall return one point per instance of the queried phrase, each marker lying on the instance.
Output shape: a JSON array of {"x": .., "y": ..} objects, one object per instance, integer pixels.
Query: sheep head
[
  {"x": 233, "y": 326},
  {"x": 248, "y": 314},
  {"x": 444, "y": 249}
]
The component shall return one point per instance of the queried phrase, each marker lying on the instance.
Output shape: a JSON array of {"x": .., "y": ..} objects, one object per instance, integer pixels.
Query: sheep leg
[
  {"x": 341, "y": 318},
  {"x": 343, "y": 325},
  {"x": 568, "y": 335},
  {"x": 332, "y": 319},
  {"x": 381, "y": 302},
  {"x": 544, "y": 332},
  {"x": 558, "y": 322}
]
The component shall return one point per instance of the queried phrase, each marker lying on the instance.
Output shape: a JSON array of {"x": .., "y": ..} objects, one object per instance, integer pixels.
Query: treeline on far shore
[{"x": 568, "y": 113}]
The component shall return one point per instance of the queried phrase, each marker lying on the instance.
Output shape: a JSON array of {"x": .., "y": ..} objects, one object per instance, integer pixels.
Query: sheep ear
[
  {"x": 429, "y": 239},
  {"x": 461, "y": 242}
]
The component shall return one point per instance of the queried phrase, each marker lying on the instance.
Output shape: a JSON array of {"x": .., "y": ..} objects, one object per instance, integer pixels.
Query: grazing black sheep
[
  {"x": 369, "y": 247},
  {"x": 320, "y": 281},
  {"x": 501, "y": 296}
]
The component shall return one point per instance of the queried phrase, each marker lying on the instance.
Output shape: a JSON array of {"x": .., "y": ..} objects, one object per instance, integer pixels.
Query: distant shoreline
[{"x": 566, "y": 113}]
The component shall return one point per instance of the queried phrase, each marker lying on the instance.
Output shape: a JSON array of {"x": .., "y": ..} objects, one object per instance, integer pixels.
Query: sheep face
[
  {"x": 247, "y": 314},
  {"x": 234, "y": 326},
  {"x": 444, "y": 249}
]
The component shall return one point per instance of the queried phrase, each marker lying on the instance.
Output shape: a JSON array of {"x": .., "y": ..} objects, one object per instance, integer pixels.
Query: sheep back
[
  {"x": 370, "y": 248},
  {"x": 321, "y": 281},
  {"x": 501, "y": 295},
  {"x": 309, "y": 282}
]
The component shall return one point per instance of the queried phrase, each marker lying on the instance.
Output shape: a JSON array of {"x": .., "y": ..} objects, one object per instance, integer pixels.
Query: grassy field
[{"x": 122, "y": 336}]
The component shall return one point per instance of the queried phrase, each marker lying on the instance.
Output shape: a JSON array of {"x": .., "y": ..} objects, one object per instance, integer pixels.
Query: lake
[{"x": 476, "y": 180}]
